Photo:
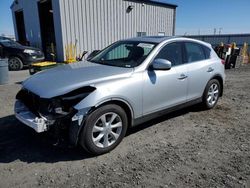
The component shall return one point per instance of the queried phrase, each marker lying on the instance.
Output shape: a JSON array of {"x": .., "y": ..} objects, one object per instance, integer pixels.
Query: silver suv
[{"x": 126, "y": 84}]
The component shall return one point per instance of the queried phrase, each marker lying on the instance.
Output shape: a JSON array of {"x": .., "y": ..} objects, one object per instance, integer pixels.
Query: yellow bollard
[
  {"x": 70, "y": 53},
  {"x": 245, "y": 49},
  {"x": 245, "y": 56},
  {"x": 234, "y": 45}
]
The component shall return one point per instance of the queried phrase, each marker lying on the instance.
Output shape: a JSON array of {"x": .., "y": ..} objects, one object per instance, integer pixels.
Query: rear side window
[
  {"x": 207, "y": 52},
  {"x": 194, "y": 52},
  {"x": 171, "y": 52}
]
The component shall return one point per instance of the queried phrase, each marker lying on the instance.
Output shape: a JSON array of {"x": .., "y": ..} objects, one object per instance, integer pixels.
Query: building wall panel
[{"x": 94, "y": 24}]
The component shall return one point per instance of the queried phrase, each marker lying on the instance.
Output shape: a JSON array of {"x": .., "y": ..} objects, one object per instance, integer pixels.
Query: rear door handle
[
  {"x": 210, "y": 69},
  {"x": 182, "y": 77}
]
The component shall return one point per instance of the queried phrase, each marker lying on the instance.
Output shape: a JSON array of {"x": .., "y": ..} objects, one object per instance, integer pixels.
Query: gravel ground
[
  {"x": 188, "y": 148},
  {"x": 15, "y": 77}
]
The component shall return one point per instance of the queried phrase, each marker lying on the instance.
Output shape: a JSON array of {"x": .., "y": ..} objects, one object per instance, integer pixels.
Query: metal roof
[{"x": 157, "y": 2}]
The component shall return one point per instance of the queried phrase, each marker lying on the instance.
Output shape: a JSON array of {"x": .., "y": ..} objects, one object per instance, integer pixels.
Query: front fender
[
  {"x": 128, "y": 91},
  {"x": 78, "y": 120}
]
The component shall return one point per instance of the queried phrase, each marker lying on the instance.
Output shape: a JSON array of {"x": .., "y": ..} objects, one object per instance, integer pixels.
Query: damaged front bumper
[
  {"x": 41, "y": 124},
  {"x": 77, "y": 122},
  {"x": 24, "y": 115}
]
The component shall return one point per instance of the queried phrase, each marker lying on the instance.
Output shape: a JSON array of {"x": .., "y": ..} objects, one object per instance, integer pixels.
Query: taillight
[{"x": 223, "y": 62}]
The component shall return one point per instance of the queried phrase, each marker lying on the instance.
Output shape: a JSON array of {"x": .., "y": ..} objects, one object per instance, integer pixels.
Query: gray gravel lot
[
  {"x": 188, "y": 148},
  {"x": 18, "y": 76}
]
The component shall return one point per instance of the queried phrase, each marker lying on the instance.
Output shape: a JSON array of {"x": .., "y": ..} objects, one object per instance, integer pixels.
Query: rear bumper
[{"x": 23, "y": 114}]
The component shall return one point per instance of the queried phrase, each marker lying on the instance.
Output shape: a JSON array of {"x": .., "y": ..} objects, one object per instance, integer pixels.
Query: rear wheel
[
  {"x": 211, "y": 94},
  {"x": 104, "y": 129},
  {"x": 15, "y": 63}
]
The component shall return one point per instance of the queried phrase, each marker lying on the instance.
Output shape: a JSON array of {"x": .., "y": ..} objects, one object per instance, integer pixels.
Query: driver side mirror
[{"x": 161, "y": 64}]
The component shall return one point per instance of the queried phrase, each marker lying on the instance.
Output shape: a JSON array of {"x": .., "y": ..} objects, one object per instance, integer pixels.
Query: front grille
[
  {"x": 40, "y": 107},
  {"x": 30, "y": 100}
]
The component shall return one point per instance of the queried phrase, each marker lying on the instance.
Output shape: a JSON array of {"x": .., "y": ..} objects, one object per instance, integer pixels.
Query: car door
[
  {"x": 200, "y": 68},
  {"x": 164, "y": 89}
]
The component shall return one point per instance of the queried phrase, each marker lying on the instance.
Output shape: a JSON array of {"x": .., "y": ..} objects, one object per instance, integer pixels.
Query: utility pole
[
  {"x": 214, "y": 31},
  {"x": 220, "y": 29}
]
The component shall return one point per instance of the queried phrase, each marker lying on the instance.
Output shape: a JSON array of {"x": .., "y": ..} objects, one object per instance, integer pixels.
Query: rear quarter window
[
  {"x": 195, "y": 52},
  {"x": 207, "y": 52}
]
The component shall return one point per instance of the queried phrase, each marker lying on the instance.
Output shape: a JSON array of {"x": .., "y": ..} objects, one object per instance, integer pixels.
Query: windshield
[
  {"x": 124, "y": 54},
  {"x": 8, "y": 42}
]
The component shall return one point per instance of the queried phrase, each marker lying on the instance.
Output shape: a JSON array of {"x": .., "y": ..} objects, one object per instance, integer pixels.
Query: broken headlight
[{"x": 64, "y": 104}]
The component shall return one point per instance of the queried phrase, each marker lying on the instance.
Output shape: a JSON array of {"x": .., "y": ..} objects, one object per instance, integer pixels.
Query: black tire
[
  {"x": 205, "y": 102},
  {"x": 15, "y": 64},
  {"x": 86, "y": 137}
]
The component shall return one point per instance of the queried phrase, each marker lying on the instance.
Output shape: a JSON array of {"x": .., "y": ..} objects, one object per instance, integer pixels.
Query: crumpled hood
[{"x": 65, "y": 78}]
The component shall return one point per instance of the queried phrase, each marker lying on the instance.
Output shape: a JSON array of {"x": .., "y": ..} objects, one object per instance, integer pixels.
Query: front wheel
[
  {"x": 211, "y": 94},
  {"x": 104, "y": 129},
  {"x": 15, "y": 64}
]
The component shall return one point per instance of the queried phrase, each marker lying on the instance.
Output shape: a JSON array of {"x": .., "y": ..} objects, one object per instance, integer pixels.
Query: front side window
[
  {"x": 171, "y": 52},
  {"x": 124, "y": 54},
  {"x": 194, "y": 52}
]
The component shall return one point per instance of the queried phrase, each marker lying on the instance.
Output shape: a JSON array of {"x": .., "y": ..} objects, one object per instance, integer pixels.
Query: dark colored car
[{"x": 19, "y": 55}]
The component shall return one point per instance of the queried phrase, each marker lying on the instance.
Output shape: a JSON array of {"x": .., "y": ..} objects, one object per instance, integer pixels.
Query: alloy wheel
[
  {"x": 107, "y": 130},
  {"x": 213, "y": 94}
]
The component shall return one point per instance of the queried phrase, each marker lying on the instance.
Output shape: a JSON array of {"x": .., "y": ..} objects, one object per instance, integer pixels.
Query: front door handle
[
  {"x": 210, "y": 69},
  {"x": 182, "y": 77}
]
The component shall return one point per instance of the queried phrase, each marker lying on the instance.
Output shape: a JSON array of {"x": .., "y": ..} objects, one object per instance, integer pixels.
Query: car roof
[
  {"x": 160, "y": 39},
  {"x": 4, "y": 38},
  {"x": 151, "y": 39}
]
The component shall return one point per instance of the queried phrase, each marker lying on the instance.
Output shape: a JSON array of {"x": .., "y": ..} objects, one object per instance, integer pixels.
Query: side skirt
[{"x": 154, "y": 115}]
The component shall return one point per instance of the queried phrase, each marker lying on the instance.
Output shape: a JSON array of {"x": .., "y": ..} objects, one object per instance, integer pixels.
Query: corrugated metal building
[
  {"x": 90, "y": 24},
  {"x": 215, "y": 40}
]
